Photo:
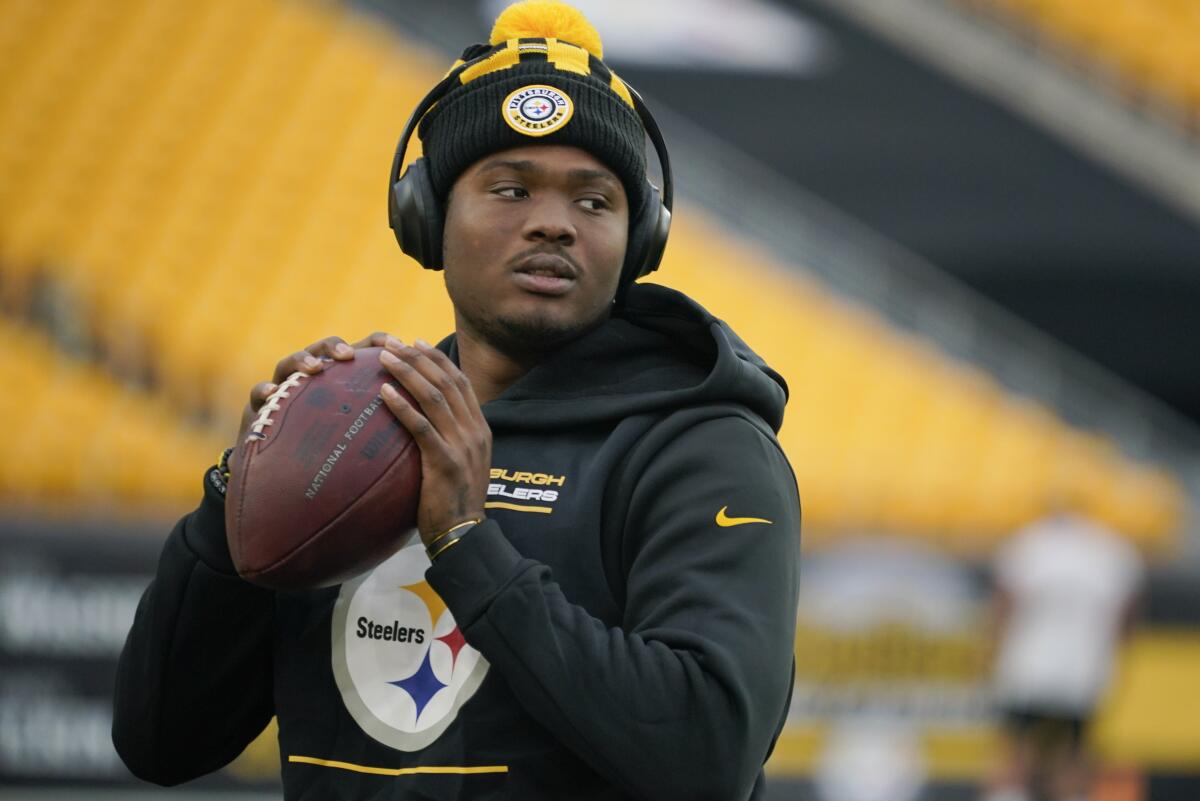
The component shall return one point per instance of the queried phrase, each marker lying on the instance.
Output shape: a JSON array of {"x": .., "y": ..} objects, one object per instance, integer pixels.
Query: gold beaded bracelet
[{"x": 223, "y": 463}]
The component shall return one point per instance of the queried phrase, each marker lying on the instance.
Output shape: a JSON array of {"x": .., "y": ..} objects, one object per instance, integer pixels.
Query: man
[
  {"x": 612, "y": 526},
  {"x": 1066, "y": 588}
]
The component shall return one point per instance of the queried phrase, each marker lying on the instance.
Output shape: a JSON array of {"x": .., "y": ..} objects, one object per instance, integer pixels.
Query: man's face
[{"x": 534, "y": 241}]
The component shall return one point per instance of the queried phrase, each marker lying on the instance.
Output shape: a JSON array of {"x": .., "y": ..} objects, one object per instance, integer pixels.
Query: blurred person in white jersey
[{"x": 1066, "y": 589}]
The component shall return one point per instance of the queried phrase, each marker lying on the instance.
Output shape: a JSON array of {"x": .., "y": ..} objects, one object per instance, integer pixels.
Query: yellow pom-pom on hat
[{"x": 547, "y": 19}]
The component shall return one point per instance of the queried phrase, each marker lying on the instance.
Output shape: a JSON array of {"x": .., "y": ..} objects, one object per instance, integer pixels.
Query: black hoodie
[{"x": 621, "y": 625}]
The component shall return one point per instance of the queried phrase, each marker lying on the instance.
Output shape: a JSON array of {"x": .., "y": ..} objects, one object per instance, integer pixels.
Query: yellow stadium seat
[
  {"x": 76, "y": 437},
  {"x": 1153, "y": 45}
]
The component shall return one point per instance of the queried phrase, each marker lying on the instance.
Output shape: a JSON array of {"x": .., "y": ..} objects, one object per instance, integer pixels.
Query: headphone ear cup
[
  {"x": 416, "y": 215},
  {"x": 656, "y": 246},
  {"x": 647, "y": 238}
]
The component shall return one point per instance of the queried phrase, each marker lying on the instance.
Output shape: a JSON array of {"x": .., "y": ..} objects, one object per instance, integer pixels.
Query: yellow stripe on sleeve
[
  {"x": 444, "y": 769},
  {"x": 543, "y": 510}
]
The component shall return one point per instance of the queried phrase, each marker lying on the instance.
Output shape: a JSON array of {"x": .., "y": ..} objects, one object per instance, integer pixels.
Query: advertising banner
[{"x": 67, "y": 599}]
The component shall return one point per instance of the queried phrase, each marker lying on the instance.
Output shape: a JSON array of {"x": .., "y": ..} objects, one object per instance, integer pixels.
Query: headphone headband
[
  {"x": 660, "y": 146},
  {"x": 431, "y": 98}
]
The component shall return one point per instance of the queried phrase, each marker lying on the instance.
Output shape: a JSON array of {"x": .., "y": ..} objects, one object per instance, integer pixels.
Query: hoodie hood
[{"x": 661, "y": 351}]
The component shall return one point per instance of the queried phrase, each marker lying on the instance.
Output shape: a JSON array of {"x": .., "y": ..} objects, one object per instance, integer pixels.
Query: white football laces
[{"x": 271, "y": 405}]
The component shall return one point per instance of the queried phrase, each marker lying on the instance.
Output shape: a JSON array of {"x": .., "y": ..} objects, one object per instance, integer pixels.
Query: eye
[
  {"x": 511, "y": 192},
  {"x": 595, "y": 203}
]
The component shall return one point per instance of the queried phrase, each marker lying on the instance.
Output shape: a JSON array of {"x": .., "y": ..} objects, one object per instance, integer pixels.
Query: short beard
[{"x": 531, "y": 338}]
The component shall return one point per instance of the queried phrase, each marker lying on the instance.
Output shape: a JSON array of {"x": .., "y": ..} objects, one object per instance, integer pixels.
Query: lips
[
  {"x": 546, "y": 264},
  {"x": 545, "y": 274}
]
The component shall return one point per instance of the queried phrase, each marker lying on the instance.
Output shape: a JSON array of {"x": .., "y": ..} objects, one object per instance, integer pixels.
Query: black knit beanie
[{"x": 534, "y": 85}]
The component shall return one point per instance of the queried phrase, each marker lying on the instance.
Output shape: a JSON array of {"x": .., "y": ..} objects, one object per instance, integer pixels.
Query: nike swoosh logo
[{"x": 724, "y": 521}]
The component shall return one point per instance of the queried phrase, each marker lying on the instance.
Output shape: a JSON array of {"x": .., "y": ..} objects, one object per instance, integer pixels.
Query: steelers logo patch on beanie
[
  {"x": 537, "y": 110},
  {"x": 540, "y": 80}
]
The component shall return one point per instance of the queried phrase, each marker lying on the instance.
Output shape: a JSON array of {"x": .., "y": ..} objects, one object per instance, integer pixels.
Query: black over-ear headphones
[{"x": 416, "y": 215}]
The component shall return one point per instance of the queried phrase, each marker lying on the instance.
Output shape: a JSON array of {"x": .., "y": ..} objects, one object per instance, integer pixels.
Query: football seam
[
  {"x": 244, "y": 473},
  {"x": 317, "y": 534}
]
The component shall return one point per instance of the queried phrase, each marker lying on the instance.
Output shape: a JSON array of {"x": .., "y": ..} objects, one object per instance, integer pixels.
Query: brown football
[{"x": 325, "y": 484}]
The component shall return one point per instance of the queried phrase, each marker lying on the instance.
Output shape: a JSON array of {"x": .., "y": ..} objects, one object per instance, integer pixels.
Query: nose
[{"x": 549, "y": 221}]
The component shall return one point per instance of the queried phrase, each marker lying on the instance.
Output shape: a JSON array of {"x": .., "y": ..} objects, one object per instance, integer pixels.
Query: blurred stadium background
[{"x": 967, "y": 233}]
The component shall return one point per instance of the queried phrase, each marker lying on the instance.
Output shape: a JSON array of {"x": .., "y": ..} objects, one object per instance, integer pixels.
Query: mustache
[{"x": 543, "y": 250}]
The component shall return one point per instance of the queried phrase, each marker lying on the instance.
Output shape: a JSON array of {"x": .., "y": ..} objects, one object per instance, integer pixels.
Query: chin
[{"x": 534, "y": 334}]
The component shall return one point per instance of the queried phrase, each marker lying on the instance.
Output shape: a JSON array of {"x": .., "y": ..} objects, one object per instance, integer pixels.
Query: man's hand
[
  {"x": 310, "y": 361},
  {"x": 454, "y": 438}
]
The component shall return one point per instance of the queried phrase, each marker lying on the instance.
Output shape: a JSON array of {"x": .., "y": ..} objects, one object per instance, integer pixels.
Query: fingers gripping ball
[{"x": 326, "y": 481}]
